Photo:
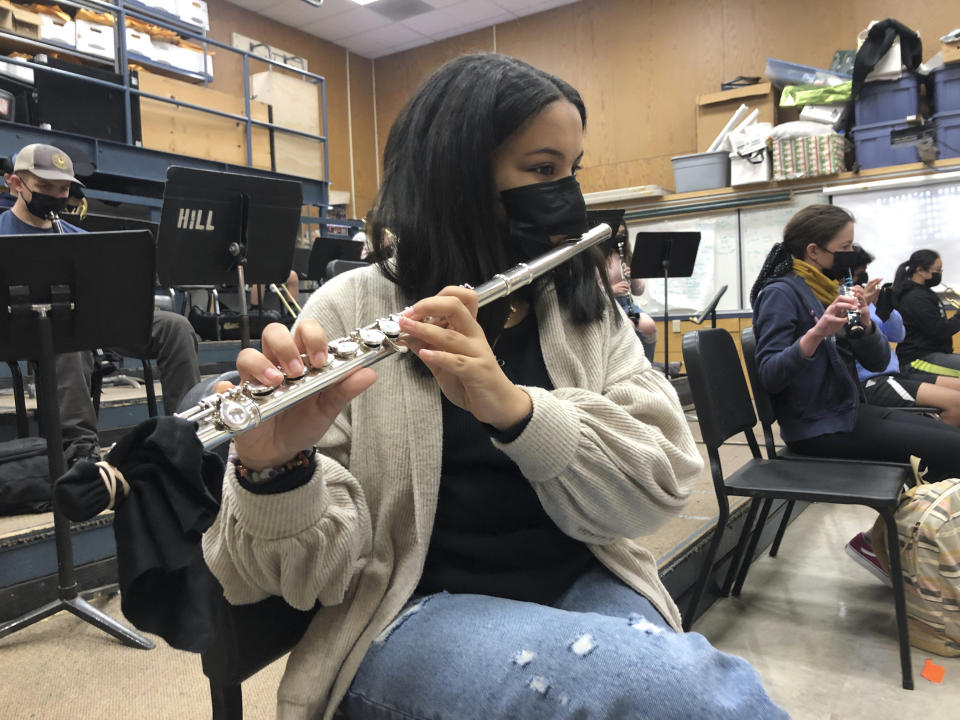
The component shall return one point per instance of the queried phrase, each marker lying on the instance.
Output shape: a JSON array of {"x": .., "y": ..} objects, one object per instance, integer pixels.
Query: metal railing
[{"x": 121, "y": 66}]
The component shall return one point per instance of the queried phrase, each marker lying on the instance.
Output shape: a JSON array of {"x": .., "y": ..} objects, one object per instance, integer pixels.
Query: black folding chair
[{"x": 724, "y": 409}]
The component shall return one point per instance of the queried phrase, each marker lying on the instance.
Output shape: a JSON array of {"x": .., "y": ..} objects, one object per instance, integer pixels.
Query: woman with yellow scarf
[{"x": 806, "y": 359}]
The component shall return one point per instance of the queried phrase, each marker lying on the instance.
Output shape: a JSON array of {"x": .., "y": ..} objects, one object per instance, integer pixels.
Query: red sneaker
[{"x": 861, "y": 550}]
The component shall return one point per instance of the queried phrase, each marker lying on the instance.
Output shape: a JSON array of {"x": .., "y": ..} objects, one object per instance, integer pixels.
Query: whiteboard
[
  {"x": 891, "y": 224},
  {"x": 760, "y": 229},
  {"x": 716, "y": 265}
]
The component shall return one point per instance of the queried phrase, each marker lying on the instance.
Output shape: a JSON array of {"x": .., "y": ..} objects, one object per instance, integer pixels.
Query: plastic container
[
  {"x": 946, "y": 89},
  {"x": 788, "y": 73},
  {"x": 874, "y": 149},
  {"x": 948, "y": 133},
  {"x": 888, "y": 100},
  {"x": 701, "y": 171}
]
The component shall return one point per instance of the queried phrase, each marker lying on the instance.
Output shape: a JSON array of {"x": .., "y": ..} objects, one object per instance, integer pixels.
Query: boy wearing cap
[{"x": 42, "y": 177}]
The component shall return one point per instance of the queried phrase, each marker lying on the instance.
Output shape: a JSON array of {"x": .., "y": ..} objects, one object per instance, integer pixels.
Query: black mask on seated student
[
  {"x": 933, "y": 280},
  {"x": 843, "y": 263},
  {"x": 41, "y": 204},
  {"x": 535, "y": 212}
]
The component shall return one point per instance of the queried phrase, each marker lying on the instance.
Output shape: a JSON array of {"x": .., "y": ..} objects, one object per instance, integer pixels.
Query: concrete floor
[{"x": 821, "y": 630}]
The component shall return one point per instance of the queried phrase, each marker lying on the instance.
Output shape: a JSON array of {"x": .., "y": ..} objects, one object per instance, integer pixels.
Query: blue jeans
[{"x": 602, "y": 651}]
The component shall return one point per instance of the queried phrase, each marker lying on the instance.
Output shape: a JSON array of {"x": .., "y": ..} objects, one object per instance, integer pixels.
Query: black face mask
[
  {"x": 933, "y": 280},
  {"x": 41, "y": 205},
  {"x": 843, "y": 263},
  {"x": 535, "y": 212}
]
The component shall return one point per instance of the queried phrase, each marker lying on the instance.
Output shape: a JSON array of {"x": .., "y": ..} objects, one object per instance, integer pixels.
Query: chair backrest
[
  {"x": 335, "y": 267},
  {"x": 718, "y": 387},
  {"x": 761, "y": 398}
]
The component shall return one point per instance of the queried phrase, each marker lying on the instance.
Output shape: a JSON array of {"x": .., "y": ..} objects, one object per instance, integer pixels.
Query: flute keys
[
  {"x": 389, "y": 327},
  {"x": 238, "y": 416},
  {"x": 372, "y": 338},
  {"x": 260, "y": 390},
  {"x": 346, "y": 349}
]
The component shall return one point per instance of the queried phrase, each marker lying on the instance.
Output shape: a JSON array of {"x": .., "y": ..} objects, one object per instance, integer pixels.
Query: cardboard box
[
  {"x": 950, "y": 53},
  {"x": 194, "y": 12},
  {"x": 138, "y": 42},
  {"x": 805, "y": 157},
  {"x": 57, "y": 30},
  {"x": 96, "y": 39},
  {"x": 19, "y": 20},
  {"x": 715, "y": 109},
  {"x": 16, "y": 71},
  {"x": 191, "y": 60}
]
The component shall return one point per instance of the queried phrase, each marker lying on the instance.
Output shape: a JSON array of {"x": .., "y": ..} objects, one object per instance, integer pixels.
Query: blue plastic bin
[
  {"x": 888, "y": 100},
  {"x": 874, "y": 149},
  {"x": 782, "y": 72},
  {"x": 946, "y": 89},
  {"x": 948, "y": 133}
]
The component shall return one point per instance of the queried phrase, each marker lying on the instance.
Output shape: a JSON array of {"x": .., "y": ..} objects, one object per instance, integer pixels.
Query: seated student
[
  {"x": 890, "y": 387},
  {"x": 466, "y": 523},
  {"x": 41, "y": 178},
  {"x": 624, "y": 288},
  {"x": 805, "y": 359},
  {"x": 928, "y": 345}
]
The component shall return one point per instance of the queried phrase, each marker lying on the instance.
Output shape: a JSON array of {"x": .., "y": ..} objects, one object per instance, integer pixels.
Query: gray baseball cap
[{"x": 45, "y": 161}]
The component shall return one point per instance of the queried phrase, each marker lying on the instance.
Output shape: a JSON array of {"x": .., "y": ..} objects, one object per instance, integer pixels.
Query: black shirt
[
  {"x": 491, "y": 535},
  {"x": 928, "y": 329}
]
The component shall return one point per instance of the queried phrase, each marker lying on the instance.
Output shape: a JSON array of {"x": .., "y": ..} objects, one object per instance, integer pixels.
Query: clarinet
[
  {"x": 633, "y": 312},
  {"x": 221, "y": 416}
]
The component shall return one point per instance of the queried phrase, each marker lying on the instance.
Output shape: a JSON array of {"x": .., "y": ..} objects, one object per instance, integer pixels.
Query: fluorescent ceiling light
[
  {"x": 890, "y": 183},
  {"x": 363, "y": 2}
]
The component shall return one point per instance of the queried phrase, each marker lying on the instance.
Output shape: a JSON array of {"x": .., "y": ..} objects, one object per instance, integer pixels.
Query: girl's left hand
[{"x": 452, "y": 345}]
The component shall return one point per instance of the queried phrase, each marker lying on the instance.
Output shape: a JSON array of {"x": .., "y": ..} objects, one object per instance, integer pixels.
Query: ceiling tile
[
  {"x": 352, "y": 22},
  {"x": 472, "y": 11},
  {"x": 442, "y": 3},
  {"x": 257, "y": 5},
  {"x": 432, "y": 22}
]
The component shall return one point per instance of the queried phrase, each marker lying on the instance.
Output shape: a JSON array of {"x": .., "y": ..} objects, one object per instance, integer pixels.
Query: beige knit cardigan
[{"x": 608, "y": 452}]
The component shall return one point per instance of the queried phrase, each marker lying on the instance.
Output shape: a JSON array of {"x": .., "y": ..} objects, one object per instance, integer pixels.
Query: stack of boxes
[{"x": 946, "y": 108}]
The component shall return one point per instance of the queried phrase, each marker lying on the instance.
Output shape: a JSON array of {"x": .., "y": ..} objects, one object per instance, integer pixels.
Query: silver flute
[{"x": 222, "y": 416}]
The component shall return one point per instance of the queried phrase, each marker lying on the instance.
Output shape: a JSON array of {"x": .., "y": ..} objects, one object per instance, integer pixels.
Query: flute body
[{"x": 221, "y": 416}]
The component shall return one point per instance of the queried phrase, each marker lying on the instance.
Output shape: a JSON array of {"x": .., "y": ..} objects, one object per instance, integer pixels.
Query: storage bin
[
  {"x": 889, "y": 100},
  {"x": 874, "y": 149},
  {"x": 948, "y": 133},
  {"x": 138, "y": 43},
  {"x": 56, "y": 30},
  {"x": 788, "y": 73},
  {"x": 701, "y": 171},
  {"x": 946, "y": 89},
  {"x": 195, "y": 12}
]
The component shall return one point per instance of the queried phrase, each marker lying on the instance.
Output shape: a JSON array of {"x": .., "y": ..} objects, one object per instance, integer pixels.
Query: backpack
[
  {"x": 928, "y": 525},
  {"x": 25, "y": 485}
]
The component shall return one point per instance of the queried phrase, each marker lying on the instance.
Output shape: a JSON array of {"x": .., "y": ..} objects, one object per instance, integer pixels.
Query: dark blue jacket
[{"x": 816, "y": 395}]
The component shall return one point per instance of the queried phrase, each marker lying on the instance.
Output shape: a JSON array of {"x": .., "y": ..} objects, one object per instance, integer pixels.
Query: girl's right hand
[
  {"x": 281, "y": 437},
  {"x": 835, "y": 316}
]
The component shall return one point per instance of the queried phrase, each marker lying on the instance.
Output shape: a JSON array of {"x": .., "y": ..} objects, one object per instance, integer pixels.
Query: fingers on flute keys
[{"x": 281, "y": 353}]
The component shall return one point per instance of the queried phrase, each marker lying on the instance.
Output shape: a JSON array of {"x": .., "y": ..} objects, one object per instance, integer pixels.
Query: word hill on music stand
[
  {"x": 61, "y": 294},
  {"x": 224, "y": 228},
  {"x": 664, "y": 255}
]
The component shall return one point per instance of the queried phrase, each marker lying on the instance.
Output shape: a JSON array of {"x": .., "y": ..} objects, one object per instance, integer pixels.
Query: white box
[
  {"x": 57, "y": 30},
  {"x": 753, "y": 168},
  {"x": 96, "y": 39},
  {"x": 192, "y": 61},
  {"x": 194, "y": 12},
  {"x": 16, "y": 71},
  {"x": 138, "y": 42},
  {"x": 163, "y": 52}
]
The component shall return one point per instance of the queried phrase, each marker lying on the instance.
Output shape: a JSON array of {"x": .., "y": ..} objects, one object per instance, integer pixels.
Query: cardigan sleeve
[
  {"x": 611, "y": 464},
  {"x": 306, "y": 544}
]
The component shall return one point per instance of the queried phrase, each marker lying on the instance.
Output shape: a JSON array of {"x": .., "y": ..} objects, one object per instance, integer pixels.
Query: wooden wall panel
[
  {"x": 640, "y": 64},
  {"x": 399, "y": 75},
  {"x": 365, "y": 155}
]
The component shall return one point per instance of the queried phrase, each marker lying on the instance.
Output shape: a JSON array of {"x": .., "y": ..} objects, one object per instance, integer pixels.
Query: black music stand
[
  {"x": 219, "y": 228},
  {"x": 56, "y": 291},
  {"x": 667, "y": 255},
  {"x": 326, "y": 249},
  {"x": 710, "y": 309}
]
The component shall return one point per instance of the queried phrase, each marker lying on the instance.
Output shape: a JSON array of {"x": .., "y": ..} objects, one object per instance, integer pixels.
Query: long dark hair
[
  {"x": 438, "y": 193},
  {"x": 817, "y": 224},
  {"x": 919, "y": 260}
]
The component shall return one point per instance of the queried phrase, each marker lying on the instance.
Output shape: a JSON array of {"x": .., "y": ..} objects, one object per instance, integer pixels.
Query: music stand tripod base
[{"x": 52, "y": 301}]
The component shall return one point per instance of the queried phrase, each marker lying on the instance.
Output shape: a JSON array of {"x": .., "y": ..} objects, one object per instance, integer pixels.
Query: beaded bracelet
[{"x": 301, "y": 459}]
